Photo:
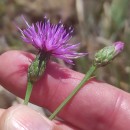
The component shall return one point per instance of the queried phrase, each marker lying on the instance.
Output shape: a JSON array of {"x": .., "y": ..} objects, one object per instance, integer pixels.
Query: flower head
[
  {"x": 51, "y": 39},
  {"x": 107, "y": 54}
]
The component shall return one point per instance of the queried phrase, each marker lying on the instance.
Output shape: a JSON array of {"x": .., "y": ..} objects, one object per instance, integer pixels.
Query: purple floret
[
  {"x": 51, "y": 39},
  {"x": 119, "y": 46}
]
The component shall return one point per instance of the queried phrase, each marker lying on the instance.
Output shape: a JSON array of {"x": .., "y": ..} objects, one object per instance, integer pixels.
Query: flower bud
[
  {"x": 37, "y": 67},
  {"x": 107, "y": 54}
]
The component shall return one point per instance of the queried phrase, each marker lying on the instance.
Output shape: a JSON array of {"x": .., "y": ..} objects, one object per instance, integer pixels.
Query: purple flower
[
  {"x": 51, "y": 39},
  {"x": 119, "y": 46}
]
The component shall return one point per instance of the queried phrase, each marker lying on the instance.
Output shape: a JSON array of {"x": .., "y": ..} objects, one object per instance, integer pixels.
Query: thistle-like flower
[
  {"x": 107, "y": 54},
  {"x": 51, "y": 40}
]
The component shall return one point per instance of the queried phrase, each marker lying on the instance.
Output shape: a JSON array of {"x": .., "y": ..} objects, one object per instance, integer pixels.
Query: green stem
[
  {"x": 85, "y": 79},
  {"x": 28, "y": 93}
]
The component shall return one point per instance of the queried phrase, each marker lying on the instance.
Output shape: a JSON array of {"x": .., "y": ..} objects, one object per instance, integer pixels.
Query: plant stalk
[
  {"x": 28, "y": 93},
  {"x": 72, "y": 94}
]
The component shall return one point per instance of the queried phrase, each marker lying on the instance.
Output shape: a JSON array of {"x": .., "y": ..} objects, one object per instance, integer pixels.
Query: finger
[
  {"x": 23, "y": 118},
  {"x": 1, "y": 111},
  {"x": 96, "y": 106}
]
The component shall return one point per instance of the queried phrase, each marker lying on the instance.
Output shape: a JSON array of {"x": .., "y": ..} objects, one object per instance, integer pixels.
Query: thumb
[{"x": 23, "y": 118}]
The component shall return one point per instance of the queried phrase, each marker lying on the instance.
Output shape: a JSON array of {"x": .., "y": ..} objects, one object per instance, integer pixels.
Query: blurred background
[{"x": 96, "y": 23}]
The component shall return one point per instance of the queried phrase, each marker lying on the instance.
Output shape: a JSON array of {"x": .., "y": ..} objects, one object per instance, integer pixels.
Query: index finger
[{"x": 96, "y": 106}]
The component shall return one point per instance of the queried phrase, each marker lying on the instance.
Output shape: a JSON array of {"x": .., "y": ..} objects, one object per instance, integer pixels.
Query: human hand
[{"x": 97, "y": 106}]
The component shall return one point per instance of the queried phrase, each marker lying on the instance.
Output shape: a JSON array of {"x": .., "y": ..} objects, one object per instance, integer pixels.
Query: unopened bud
[{"x": 107, "y": 54}]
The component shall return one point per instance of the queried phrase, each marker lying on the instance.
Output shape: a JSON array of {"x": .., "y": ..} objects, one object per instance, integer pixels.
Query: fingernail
[{"x": 24, "y": 118}]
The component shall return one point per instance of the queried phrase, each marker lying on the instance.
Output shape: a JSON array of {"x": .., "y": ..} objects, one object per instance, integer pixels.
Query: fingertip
[{"x": 22, "y": 117}]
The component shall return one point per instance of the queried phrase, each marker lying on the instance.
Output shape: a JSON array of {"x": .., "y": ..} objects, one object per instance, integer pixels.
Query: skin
[{"x": 97, "y": 106}]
